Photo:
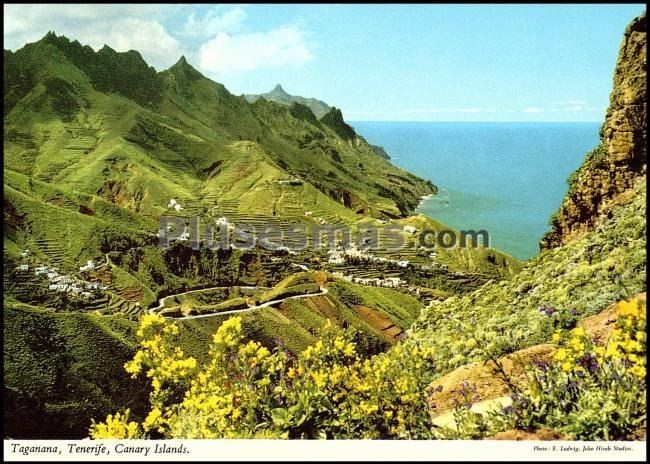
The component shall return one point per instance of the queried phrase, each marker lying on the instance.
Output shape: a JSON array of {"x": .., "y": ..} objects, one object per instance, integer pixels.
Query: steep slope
[
  {"x": 62, "y": 369},
  {"x": 598, "y": 258},
  {"x": 74, "y": 113},
  {"x": 609, "y": 172},
  {"x": 96, "y": 145},
  {"x": 279, "y": 95}
]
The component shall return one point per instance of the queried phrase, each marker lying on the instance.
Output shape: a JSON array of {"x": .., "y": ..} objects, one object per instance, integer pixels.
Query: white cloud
[
  {"x": 211, "y": 35},
  {"x": 228, "y": 53},
  {"x": 122, "y": 27},
  {"x": 217, "y": 19},
  {"x": 468, "y": 110},
  {"x": 533, "y": 109}
]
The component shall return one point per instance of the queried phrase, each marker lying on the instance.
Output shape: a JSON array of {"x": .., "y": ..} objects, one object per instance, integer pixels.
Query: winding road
[
  {"x": 161, "y": 301},
  {"x": 323, "y": 291}
]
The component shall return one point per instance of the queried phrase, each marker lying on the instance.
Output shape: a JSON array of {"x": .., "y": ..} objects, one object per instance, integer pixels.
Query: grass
[{"x": 61, "y": 369}]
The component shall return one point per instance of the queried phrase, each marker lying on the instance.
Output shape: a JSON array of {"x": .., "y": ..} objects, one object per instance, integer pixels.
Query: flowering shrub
[
  {"x": 247, "y": 391},
  {"x": 588, "y": 391},
  {"x": 587, "y": 274},
  {"x": 560, "y": 318},
  {"x": 117, "y": 426}
]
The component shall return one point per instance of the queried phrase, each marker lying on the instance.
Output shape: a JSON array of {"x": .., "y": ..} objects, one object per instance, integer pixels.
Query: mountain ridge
[
  {"x": 76, "y": 78},
  {"x": 279, "y": 95}
]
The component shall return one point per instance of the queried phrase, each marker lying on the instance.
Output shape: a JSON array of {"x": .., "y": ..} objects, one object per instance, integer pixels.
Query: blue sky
[{"x": 376, "y": 62}]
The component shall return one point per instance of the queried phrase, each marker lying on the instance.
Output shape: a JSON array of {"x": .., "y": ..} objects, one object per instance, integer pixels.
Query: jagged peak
[
  {"x": 278, "y": 89},
  {"x": 53, "y": 39},
  {"x": 182, "y": 66},
  {"x": 106, "y": 49}
]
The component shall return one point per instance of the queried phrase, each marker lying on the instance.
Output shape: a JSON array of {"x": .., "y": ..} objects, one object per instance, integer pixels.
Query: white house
[
  {"x": 392, "y": 282},
  {"x": 58, "y": 287},
  {"x": 52, "y": 275},
  {"x": 335, "y": 257},
  {"x": 23, "y": 267},
  {"x": 410, "y": 229},
  {"x": 403, "y": 263},
  {"x": 61, "y": 279},
  {"x": 95, "y": 286},
  {"x": 222, "y": 221},
  {"x": 40, "y": 270},
  {"x": 24, "y": 253},
  {"x": 88, "y": 266}
]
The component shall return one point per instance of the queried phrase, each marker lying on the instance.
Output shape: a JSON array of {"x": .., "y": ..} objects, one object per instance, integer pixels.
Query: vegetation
[
  {"x": 98, "y": 143},
  {"x": 246, "y": 391},
  {"x": 585, "y": 276},
  {"x": 61, "y": 369},
  {"x": 589, "y": 390},
  {"x": 595, "y": 160}
]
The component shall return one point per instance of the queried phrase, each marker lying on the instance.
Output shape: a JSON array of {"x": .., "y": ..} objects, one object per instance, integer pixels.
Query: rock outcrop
[{"x": 610, "y": 171}]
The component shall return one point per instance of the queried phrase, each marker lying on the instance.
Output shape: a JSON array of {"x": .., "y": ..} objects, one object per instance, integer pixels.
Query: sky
[{"x": 375, "y": 62}]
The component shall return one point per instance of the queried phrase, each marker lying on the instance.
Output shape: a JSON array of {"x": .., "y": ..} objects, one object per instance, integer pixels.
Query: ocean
[{"x": 506, "y": 178}]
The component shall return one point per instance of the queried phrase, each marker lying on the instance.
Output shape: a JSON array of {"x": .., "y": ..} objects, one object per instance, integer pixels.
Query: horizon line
[{"x": 477, "y": 122}]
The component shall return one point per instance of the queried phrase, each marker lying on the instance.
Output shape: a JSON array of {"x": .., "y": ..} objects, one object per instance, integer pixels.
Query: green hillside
[{"x": 97, "y": 144}]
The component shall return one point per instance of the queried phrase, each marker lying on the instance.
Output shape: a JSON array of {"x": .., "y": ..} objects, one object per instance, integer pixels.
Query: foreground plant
[
  {"x": 588, "y": 391},
  {"x": 247, "y": 391}
]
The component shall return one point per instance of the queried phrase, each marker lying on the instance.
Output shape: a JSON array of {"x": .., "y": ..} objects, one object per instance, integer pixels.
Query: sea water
[{"x": 506, "y": 178}]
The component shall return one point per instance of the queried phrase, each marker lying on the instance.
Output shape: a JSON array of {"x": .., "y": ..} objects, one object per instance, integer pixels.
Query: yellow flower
[
  {"x": 349, "y": 349},
  {"x": 368, "y": 408},
  {"x": 262, "y": 353},
  {"x": 578, "y": 332},
  {"x": 115, "y": 427},
  {"x": 638, "y": 370},
  {"x": 319, "y": 378},
  {"x": 152, "y": 418},
  {"x": 561, "y": 354},
  {"x": 628, "y": 308}
]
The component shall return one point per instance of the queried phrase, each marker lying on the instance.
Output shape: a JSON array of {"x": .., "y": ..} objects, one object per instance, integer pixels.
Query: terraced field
[{"x": 52, "y": 249}]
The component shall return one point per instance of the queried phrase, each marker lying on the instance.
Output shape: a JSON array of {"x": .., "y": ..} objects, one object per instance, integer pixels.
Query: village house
[
  {"x": 90, "y": 264},
  {"x": 39, "y": 270},
  {"x": 59, "y": 287},
  {"x": 61, "y": 279}
]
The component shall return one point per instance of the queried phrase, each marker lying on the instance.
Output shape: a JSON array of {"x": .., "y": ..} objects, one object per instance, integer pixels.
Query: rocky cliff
[{"x": 610, "y": 171}]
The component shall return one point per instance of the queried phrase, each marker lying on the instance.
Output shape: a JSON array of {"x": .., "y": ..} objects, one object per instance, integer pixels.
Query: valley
[{"x": 320, "y": 311}]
